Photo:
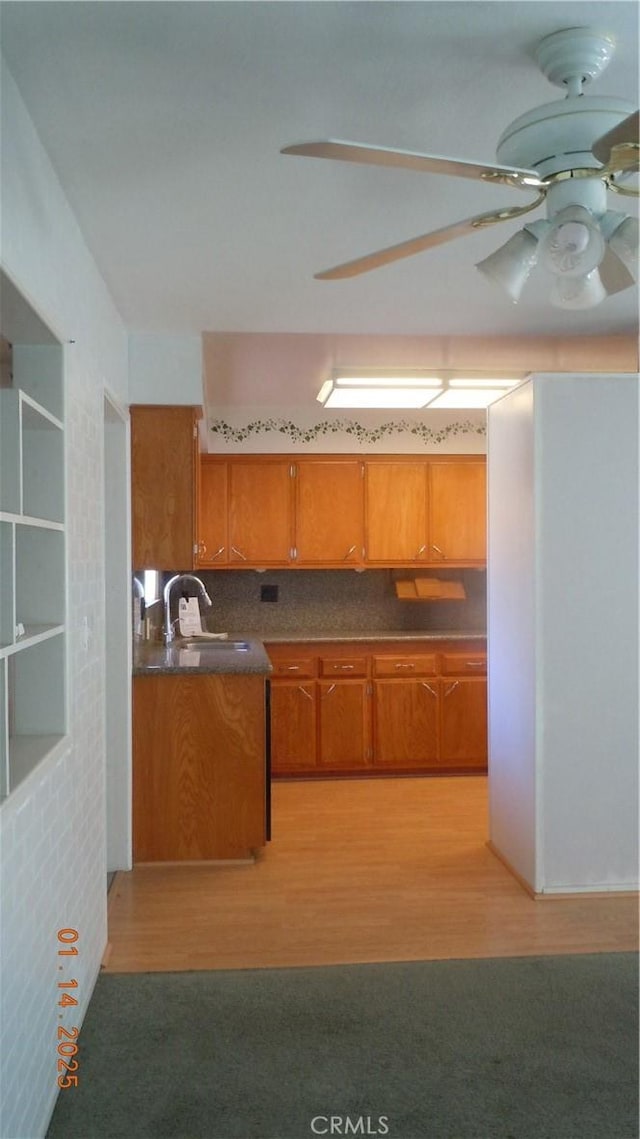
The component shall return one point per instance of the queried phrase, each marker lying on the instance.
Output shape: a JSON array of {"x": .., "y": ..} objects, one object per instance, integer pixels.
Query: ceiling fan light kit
[{"x": 570, "y": 153}]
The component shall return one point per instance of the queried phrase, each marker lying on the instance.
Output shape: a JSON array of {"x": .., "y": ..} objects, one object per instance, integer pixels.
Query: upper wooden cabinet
[
  {"x": 260, "y": 512},
  {"x": 396, "y": 512},
  {"x": 329, "y": 499},
  {"x": 164, "y": 446},
  {"x": 333, "y": 511},
  {"x": 457, "y": 511}
]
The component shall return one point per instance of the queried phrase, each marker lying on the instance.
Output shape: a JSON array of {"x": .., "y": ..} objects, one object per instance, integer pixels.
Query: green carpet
[{"x": 518, "y": 1048}]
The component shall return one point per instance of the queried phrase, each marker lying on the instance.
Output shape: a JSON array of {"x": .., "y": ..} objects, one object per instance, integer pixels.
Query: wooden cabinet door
[
  {"x": 198, "y": 767},
  {"x": 395, "y": 512},
  {"x": 213, "y": 546},
  {"x": 343, "y": 729},
  {"x": 329, "y": 511},
  {"x": 163, "y": 478},
  {"x": 260, "y": 513},
  {"x": 405, "y": 718},
  {"x": 457, "y": 512},
  {"x": 293, "y": 726},
  {"x": 464, "y": 722}
]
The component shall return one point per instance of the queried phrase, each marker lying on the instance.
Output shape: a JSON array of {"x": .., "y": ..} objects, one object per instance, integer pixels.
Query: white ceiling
[{"x": 165, "y": 122}]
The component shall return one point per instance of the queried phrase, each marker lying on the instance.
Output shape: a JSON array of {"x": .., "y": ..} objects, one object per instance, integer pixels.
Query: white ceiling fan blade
[
  {"x": 413, "y": 160},
  {"x": 419, "y": 244},
  {"x": 614, "y": 273}
]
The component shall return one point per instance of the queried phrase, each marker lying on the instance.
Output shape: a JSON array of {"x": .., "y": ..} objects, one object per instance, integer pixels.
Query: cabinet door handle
[
  {"x": 349, "y": 552},
  {"x": 328, "y": 692},
  {"x": 421, "y": 551},
  {"x": 437, "y": 549},
  {"x": 404, "y": 664},
  {"x": 219, "y": 551},
  {"x": 239, "y": 553},
  {"x": 304, "y": 692},
  {"x": 428, "y": 688},
  {"x": 452, "y": 689}
]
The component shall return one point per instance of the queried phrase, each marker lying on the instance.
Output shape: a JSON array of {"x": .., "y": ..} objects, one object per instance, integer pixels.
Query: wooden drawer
[
  {"x": 343, "y": 666},
  {"x": 463, "y": 664},
  {"x": 293, "y": 667},
  {"x": 423, "y": 664}
]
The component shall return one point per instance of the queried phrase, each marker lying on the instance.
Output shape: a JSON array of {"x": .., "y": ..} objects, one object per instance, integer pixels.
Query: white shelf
[
  {"x": 33, "y": 635},
  {"x": 32, "y": 560},
  {"x": 26, "y": 752}
]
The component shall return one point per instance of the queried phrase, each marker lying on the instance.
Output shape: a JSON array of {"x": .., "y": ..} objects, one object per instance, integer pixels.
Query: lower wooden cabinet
[
  {"x": 405, "y": 724},
  {"x": 199, "y": 772},
  {"x": 377, "y": 707}
]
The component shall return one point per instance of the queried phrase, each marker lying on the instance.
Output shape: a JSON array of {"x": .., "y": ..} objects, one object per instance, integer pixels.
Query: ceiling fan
[{"x": 568, "y": 153}]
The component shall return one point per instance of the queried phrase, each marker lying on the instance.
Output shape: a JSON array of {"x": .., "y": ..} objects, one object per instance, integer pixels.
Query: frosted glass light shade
[
  {"x": 510, "y": 266},
  {"x": 574, "y": 245},
  {"x": 578, "y": 292}
]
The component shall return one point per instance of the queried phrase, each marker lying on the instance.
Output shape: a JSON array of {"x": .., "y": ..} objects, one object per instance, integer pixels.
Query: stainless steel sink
[{"x": 206, "y": 646}]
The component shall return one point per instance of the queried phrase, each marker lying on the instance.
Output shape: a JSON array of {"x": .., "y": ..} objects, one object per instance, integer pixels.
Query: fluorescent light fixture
[
  {"x": 469, "y": 397},
  {"x": 379, "y": 391},
  {"x": 413, "y": 391}
]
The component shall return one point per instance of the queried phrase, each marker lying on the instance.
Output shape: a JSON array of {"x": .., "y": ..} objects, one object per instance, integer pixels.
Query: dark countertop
[
  {"x": 151, "y": 658},
  {"x": 368, "y": 635}
]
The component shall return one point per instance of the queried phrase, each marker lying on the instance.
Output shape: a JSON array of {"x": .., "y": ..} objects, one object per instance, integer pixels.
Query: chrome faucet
[{"x": 168, "y": 623}]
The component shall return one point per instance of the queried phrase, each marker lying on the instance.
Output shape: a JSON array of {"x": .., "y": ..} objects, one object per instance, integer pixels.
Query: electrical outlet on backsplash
[{"x": 336, "y": 601}]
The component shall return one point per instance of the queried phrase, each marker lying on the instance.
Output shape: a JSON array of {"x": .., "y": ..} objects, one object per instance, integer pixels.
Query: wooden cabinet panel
[
  {"x": 293, "y": 726},
  {"x": 457, "y": 511},
  {"x": 464, "y": 723},
  {"x": 405, "y": 723},
  {"x": 424, "y": 664},
  {"x": 213, "y": 546},
  {"x": 343, "y": 730},
  {"x": 343, "y": 666},
  {"x": 163, "y": 482},
  {"x": 198, "y": 767},
  {"x": 395, "y": 512},
  {"x": 461, "y": 664},
  {"x": 329, "y": 511},
  {"x": 260, "y": 513}
]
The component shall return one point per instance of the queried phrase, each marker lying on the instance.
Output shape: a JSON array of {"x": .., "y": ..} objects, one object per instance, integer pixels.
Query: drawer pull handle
[
  {"x": 343, "y": 667},
  {"x": 453, "y": 688},
  {"x": 405, "y": 664},
  {"x": 304, "y": 692},
  {"x": 293, "y": 668},
  {"x": 428, "y": 688},
  {"x": 474, "y": 664}
]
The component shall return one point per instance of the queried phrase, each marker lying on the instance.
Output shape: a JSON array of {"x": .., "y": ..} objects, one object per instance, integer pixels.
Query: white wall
[
  {"x": 587, "y": 493},
  {"x": 563, "y": 632},
  {"x": 165, "y": 369},
  {"x": 52, "y": 841},
  {"x": 511, "y": 637}
]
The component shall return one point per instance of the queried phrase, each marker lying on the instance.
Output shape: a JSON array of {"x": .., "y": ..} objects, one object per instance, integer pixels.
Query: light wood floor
[{"x": 358, "y": 871}]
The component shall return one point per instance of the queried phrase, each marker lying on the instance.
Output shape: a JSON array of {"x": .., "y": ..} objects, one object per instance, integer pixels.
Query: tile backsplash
[{"x": 336, "y": 601}]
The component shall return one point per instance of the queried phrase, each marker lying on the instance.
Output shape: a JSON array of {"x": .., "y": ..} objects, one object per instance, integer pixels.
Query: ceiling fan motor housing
[{"x": 559, "y": 136}]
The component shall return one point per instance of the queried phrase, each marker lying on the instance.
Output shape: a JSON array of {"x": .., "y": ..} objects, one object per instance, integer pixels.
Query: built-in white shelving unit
[{"x": 32, "y": 541}]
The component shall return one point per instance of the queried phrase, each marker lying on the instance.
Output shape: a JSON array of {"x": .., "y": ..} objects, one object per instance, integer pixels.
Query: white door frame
[{"x": 117, "y": 633}]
